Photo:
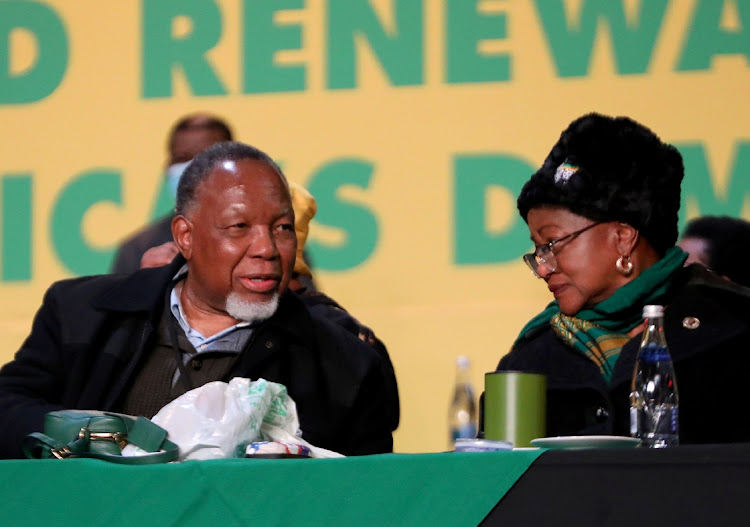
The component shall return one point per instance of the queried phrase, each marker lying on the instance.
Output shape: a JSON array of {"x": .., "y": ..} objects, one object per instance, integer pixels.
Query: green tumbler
[{"x": 515, "y": 406}]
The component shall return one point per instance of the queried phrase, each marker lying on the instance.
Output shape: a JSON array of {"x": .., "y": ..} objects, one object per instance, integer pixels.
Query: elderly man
[{"x": 133, "y": 343}]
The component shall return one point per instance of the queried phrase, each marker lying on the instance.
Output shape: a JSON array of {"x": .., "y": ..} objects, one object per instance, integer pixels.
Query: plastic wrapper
[{"x": 219, "y": 420}]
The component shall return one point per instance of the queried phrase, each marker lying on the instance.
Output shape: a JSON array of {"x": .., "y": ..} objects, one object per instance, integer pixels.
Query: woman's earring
[{"x": 624, "y": 265}]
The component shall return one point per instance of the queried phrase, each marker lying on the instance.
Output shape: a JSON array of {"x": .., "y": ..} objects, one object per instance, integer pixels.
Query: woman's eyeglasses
[{"x": 545, "y": 253}]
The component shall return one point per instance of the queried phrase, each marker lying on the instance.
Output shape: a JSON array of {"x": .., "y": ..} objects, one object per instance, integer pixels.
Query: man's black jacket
[{"x": 93, "y": 333}]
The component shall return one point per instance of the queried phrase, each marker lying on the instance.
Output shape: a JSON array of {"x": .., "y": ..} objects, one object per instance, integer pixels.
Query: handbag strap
[{"x": 141, "y": 432}]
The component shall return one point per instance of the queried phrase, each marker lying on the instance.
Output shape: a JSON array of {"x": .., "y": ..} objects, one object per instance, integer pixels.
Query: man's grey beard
[{"x": 246, "y": 311}]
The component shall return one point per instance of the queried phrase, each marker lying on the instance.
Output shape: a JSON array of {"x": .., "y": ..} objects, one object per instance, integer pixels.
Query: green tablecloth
[{"x": 394, "y": 489}]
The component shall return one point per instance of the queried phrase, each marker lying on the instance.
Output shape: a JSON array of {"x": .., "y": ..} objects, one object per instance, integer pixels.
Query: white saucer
[{"x": 586, "y": 442}]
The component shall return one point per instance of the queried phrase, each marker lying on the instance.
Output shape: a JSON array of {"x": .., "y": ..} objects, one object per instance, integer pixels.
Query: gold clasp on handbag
[
  {"x": 116, "y": 437},
  {"x": 61, "y": 453}
]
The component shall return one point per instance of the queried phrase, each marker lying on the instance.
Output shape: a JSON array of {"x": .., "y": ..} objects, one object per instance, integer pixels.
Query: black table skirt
[{"x": 682, "y": 486}]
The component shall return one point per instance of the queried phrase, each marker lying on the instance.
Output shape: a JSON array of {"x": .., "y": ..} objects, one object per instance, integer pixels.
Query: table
[
  {"x": 683, "y": 486},
  {"x": 707, "y": 485},
  {"x": 456, "y": 489}
]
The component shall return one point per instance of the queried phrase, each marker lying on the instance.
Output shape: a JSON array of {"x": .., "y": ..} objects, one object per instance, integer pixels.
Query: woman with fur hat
[{"x": 602, "y": 213}]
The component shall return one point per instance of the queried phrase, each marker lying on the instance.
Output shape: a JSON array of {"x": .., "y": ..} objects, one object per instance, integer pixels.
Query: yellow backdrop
[{"x": 413, "y": 122}]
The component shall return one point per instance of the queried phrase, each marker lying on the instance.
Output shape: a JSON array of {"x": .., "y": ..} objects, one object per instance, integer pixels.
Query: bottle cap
[
  {"x": 651, "y": 311},
  {"x": 462, "y": 361}
]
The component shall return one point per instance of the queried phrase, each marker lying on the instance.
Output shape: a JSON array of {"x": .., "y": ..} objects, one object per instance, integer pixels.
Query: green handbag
[{"x": 99, "y": 435}]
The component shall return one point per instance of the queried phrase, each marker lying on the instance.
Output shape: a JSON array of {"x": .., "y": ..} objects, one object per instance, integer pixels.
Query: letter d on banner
[
  {"x": 46, "y": 73},
  {"x": 474, "y": 177}
]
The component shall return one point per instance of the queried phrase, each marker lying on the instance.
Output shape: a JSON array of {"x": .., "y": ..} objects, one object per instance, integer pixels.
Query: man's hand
[{"x": 159, "y": 255}]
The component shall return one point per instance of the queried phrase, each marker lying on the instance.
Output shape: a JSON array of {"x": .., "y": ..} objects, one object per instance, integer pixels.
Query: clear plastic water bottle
[
  {"x": 653, "y": 395},
  {"x": 462, "y": 417}
]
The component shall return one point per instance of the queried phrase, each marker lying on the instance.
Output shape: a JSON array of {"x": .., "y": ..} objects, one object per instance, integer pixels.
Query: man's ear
[
  {"x": 182, "y": 232},
  {"x": 627, "y": 238}
]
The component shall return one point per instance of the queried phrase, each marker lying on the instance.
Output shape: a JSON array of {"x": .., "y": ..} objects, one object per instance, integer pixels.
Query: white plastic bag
[{"x": 218, "y": 419}]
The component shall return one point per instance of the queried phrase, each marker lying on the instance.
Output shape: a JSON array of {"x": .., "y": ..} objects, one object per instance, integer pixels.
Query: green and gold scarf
[{"x": 600, "y": 332}]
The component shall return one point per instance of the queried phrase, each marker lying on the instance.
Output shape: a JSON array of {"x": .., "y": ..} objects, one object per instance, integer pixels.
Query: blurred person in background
[
  {"x": 602, "y": 214},
  {"x": 721, "y": 243},
  {"x": 189, "y": 136}
]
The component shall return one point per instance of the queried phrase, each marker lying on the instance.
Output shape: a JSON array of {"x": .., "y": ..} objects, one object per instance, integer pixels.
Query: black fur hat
[{"x": 612, "y": 169}]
